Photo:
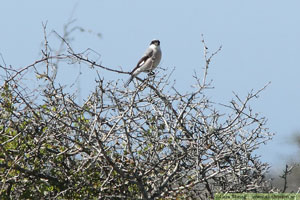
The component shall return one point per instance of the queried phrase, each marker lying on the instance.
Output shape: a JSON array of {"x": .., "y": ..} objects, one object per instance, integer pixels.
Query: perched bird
[{"x": 148, "y": 62}]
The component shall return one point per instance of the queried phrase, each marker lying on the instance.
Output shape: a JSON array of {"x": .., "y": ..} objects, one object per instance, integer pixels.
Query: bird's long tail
[{"x": 129, "y": 80}]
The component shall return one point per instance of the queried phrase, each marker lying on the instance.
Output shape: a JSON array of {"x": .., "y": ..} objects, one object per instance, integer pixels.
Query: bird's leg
[
  {"x": 151, "y": 73},
  {"x": 151, "y": 76}
]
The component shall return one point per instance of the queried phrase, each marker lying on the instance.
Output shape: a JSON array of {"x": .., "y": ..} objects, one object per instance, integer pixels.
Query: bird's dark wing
[{"x": 147, "y": 55}]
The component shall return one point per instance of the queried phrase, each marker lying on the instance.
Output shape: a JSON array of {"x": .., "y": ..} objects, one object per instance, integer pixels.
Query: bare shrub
[{"x": 146, "y": 142}]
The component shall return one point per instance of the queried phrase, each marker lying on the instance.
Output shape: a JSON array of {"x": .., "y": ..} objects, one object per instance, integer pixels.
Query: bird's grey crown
[{"x": 156, "y": 42}]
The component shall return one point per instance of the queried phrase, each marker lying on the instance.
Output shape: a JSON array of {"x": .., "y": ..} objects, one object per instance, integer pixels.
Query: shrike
[{"x": 148, "y": 62}]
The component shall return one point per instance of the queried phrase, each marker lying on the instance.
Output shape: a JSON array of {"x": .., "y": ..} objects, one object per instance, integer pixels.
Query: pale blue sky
[{"x": 260, "y": 42}]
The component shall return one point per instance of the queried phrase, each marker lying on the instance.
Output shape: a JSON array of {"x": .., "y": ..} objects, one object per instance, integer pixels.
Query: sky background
[{"x": 260, "y": 42}]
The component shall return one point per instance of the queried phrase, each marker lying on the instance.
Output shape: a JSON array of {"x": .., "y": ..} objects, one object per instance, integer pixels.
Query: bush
[{"x": 144, "y": 142}]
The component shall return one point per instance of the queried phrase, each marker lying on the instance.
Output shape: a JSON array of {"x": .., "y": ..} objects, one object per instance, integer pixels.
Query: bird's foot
[{"x": 151, "y": 73}]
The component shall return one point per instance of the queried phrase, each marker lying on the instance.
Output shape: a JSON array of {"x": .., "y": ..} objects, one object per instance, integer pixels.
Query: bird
[{"x": 148, "y": 62}]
